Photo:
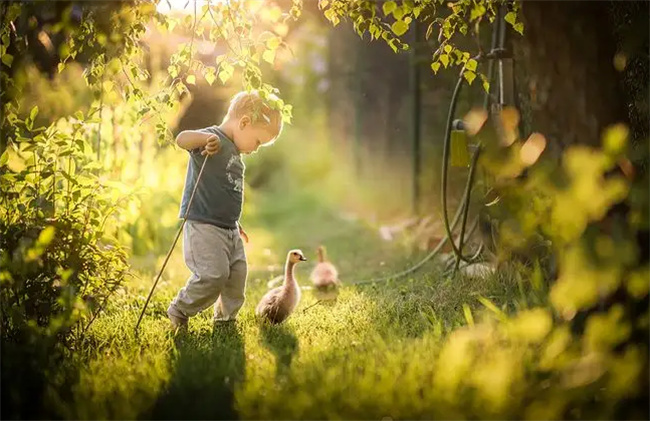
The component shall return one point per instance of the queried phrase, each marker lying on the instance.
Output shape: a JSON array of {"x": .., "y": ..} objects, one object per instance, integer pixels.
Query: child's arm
[
  {"x": 190, "y": 140},
  {"x": 242, "y": 233}
]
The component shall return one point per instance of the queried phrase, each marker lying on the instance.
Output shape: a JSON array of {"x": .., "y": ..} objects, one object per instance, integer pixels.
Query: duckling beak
[{"x": 303, "y": 259}]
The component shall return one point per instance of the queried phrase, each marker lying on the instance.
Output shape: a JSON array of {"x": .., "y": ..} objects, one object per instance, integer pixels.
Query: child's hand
[
  {"x": 212, "y": 145},
  {"x": 243, "y": 234}
]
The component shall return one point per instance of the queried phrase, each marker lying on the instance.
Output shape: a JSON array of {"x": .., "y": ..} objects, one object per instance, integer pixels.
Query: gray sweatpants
[{"x": 217, "y": 260}]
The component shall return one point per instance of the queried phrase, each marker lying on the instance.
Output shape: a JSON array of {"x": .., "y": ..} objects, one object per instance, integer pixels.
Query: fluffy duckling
[
  {"x": 325, "y": 277},
  {"x": 279, "y": 303}
]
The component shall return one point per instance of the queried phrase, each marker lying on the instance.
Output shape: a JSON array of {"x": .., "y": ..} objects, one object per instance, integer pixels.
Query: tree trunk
[{"x": 570, "y": 90}]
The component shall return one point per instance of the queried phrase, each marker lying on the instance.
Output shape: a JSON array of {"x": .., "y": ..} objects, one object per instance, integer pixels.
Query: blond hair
[{"x": 252, "y": 104}]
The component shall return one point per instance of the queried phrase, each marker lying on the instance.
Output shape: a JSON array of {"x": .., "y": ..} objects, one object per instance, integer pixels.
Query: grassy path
[{"x": 366, "y": 356}]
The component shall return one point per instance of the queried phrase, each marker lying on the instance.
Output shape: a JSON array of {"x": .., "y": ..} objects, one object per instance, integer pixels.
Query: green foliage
[
  {"x": 450, "y": 19},
  {"x": 520, "y": 343},
  {"x": 576, "y": 204},
  {"x": 365, "y": 17},
  {"x": 58, "y": 266},
  {"x": 555, "y": 361},
  {"x": 60, "y": 209},
  {"x": 246, "y": 32},
  {"x": 54, "y": 211}
]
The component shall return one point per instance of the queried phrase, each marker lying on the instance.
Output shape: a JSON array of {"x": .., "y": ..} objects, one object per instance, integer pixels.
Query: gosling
[
  {"x": 325, "y": 277},
  {"x": 279, "y": 303}
]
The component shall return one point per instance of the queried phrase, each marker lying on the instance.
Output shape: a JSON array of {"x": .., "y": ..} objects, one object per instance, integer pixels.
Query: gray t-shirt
[{"x": 219, "y": 195}]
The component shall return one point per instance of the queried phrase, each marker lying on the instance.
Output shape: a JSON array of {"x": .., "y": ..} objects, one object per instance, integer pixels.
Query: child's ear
[{"x": 244, "y": 121}]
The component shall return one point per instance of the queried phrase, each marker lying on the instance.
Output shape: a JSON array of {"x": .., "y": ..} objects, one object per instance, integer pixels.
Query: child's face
[{"x": 248, "y": 137}]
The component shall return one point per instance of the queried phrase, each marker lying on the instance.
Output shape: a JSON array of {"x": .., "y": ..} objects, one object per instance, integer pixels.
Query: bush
[
  {"x": 58, "y": 266},
  {"x": 586, "y": 355}
]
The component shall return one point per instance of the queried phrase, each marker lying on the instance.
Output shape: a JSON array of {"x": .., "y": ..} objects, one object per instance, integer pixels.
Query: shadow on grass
[
  {"x": 36, "y": 377},
  {"x": 282, "y": 342},
  {"x": 207, "y": 368}
]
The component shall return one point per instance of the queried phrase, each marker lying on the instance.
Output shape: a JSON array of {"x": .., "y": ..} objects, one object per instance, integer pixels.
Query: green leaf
[
  {"x": 191, "y": 80},
  {"x": 60, "y": 67},
  {"x": 389, "y": 7},
  {"x": 469, "y": 75},
  {"x": 373, "y": 29},
  {"x": 519, "y": 27},
  {"x": 435, "y": 67},
  {"x": 511, "y": 18},
  {"x": 46, "y": 236},
  {"x": 210, "y": 77},
  {"x": 615, "y": 139},
  {"x": 398, "y": 13},
  {"x": 447, "y": 48},
  {"x": 444, "y": 59},
  {"x": 81, "y": 145},
  {"x": 108, "y": 85},
  {"x": 269, "y": 56},
  {"x": 331, "y": 15},
  {"x": 477, "y": 11},
  {"x": 114, "y": 65},
  {"x": 227, "y": 67},
  {"x": 4, "y": 158},
  {"x": 392, "y": 45},
  {"x": 471, "y": 65},
  {"x": 273, "y": 42},
  {"x": 173, "y": 70},
  {"x": 224, "y": 75},
  {"x": 7, "y": 59},
  {"x": 33, "y": 113},
  {"x": 399, "y": 27},
  {"x": 490, "y": 306},
  {"x": 64, "y": 51},
  {"x": 468, "y": 315}
]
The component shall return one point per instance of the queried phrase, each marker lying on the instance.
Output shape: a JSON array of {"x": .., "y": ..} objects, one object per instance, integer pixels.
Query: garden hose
[
  {"x": 497, "y": 52},
  {"x": 445, "y": 171},
  {"x": 171, "y": 249},
  {"x": 472, "y": 170}
]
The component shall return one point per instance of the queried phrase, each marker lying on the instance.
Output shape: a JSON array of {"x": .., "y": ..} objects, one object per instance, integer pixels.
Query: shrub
[{"x": 58, "y": 266}]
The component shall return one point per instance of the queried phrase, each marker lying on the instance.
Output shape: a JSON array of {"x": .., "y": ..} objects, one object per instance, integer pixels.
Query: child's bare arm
[
  {"x": 190, "y": 140},
  {"x": 242, "y": 233}
]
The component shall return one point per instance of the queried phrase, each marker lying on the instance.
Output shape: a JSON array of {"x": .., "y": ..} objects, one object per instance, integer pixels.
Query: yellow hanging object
[{"x": 459, "y": 154}]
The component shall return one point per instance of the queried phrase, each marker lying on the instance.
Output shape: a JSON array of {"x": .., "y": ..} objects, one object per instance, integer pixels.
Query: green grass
[{"x": 369, "y": 355}]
